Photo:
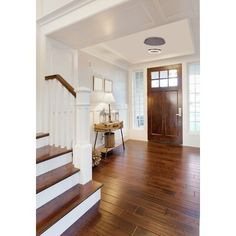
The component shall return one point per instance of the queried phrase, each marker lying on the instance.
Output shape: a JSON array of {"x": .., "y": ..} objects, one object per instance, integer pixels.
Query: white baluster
[
  {"x": 56, "y": 131},
  {"x": 54, "y": 84},
  {"x": 60, "y": 112},
  {"x": 82, "y": 150},
  {"x": 63, "y": 114},
  {"x": 45, "y": 107},
  {"x": 72, "y": 113},
  {"x": 67, "y": 120},
  {"x": 51, "y": 102}
]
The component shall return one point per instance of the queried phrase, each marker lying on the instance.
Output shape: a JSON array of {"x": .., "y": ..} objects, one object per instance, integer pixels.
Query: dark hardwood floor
[{"x": 149, "y": 189}]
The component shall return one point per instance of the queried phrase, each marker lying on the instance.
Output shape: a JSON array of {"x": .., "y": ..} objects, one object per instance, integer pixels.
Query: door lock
[{"x": 180, "y": 112}]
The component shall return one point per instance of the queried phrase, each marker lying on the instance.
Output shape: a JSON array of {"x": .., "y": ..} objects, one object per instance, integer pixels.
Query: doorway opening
[{"x": 165, "y": 104}]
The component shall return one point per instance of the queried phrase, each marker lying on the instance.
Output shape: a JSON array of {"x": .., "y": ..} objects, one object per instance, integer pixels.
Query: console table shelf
[{"x": 108, "y": 127}]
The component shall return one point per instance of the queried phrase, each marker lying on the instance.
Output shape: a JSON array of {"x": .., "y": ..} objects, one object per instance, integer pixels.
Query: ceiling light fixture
[
  {"x": 154, "y": 41},
  {"x": 154, "y": 50}
]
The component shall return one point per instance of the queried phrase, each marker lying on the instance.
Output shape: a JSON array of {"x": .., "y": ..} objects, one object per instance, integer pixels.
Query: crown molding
[{"x": 61, "y": 11}]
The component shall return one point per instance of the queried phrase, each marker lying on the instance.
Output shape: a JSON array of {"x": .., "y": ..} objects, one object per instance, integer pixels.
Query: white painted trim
[
  {"x": 45, "y": 166},
  {"x": 110, "y": 61},
  {"x": 55, "y": 190},
  {"x": 66, "y": 9},
  {"x": 64, "y": 223},
  {"x": 41, "y": 142},
  {"x": 77, "y": 14}
]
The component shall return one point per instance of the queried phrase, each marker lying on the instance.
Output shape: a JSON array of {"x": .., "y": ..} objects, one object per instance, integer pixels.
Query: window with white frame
[
  {"x": 194, "y": 97},
  {"x": 138, "y": 99}
]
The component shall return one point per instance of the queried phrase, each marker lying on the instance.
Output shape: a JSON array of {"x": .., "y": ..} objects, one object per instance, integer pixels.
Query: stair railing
[{"x": 69, "y": 124}]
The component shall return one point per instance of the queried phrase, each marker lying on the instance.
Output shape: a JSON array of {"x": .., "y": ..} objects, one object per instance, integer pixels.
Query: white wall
[
  {"x": 88, "y": 66},
  {"x": 141, "y": 134}
]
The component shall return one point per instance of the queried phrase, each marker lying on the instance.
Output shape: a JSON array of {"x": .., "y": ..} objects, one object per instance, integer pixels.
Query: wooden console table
[{"x": 108, "y": 127}]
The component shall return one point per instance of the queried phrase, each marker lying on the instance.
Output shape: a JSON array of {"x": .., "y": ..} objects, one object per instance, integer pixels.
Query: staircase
[{"x": 61, "y": 200}]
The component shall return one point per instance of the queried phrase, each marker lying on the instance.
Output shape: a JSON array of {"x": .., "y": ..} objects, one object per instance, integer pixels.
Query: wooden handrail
[{"x": 63, "y": 82}]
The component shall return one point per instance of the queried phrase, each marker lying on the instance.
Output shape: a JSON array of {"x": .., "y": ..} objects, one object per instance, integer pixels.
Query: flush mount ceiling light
[
  {"x": 154, "y": 41},
  {"x": 154, "y": 50}
]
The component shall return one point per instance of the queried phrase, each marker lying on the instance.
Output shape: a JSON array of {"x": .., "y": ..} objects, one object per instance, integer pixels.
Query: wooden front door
[{"x": 165, "y": 104}]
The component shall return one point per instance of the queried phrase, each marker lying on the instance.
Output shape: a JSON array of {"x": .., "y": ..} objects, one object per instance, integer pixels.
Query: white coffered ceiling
[{"x": 117, "y": 34}]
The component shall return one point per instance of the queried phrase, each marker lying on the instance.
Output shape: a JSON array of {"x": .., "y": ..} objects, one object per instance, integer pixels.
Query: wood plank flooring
[{"x": 149, "y": 189}]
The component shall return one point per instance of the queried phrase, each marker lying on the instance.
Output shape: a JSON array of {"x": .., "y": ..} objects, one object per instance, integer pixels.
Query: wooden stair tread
[
  {"x": 48, "y": 152},
  {"x": 41, "y": 135},
  {"x": 54, "y": 210},
  {"x": 54, "y": 176}
]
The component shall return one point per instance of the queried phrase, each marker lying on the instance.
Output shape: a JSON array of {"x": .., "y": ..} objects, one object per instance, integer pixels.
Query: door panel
[
  {"x": 164, "y": 104},
  {"x": 157, "y": 126},
  {"x": 171, "y": 109}
]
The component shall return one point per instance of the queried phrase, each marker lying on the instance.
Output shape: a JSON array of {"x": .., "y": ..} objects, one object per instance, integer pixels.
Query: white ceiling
[{"x": 117, "y": 34}]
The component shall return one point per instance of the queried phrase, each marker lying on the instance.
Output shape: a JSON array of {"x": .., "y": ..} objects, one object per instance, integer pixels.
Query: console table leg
[
  {"x": 95, "y": 140},
  {"x": 106, "y": 153},
  {"x": 122, "y": 139}
]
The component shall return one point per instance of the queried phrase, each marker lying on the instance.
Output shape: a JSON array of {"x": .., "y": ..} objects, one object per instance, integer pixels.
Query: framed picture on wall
[
  {"x": 97, "y": 84},
  {"x": 108, "y": 86}
]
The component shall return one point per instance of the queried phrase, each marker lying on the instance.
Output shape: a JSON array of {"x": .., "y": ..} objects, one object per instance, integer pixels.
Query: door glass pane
[
  {"x": 197, "y": 97},
  {"x": 155, "y": 74},
  {"x": 173, "y": 82},
  {"x": 164, "y": 83},
  {"x": 155, "y": 83},
  {"x": 197, "y": 88},
  {"x": 192, "y": 116},
  {"x": 197, "y": 79},
  {"x": 173, "y": 73},
  {"x": 192, "y": 126},
  {"x": 192, "y": 98},
  {"x": 197, "y": 126},
  {"x": 197, "y": 107},
  {"x": 192, "y": 88},
  {"x": 192, "y": 107},
  {"x": 163, "y": 74},
  {"x": 197, "y": 116},
  {"x": 138, "y": 99},
  {"x": 192, "y": 79}
]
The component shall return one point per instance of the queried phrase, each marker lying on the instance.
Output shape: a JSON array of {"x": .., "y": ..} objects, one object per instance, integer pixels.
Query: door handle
[{"x": 180, "y": 112}]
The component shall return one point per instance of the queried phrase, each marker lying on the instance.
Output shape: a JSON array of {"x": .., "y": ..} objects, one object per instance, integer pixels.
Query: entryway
[{"x": 165, "y": 104}]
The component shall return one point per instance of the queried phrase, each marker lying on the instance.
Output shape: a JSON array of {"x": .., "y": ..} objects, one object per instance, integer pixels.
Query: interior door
[{"x": 165, "y": 104}]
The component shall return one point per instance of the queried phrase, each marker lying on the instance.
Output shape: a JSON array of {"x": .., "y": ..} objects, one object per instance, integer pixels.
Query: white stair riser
[
  {"x": 64, "y": 223},
  {"x": 41, "y": 142},
  {"x": 57, "y": 189},
  {"x": 53, "y": 163}
]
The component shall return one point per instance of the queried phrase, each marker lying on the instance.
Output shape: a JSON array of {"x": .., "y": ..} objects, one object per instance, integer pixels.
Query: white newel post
[{"x": 82, "y": 150}]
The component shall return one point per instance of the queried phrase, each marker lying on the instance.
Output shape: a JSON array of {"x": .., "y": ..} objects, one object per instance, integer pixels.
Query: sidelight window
[
  {"x": 138, "y": 99},
  {"x": 194, "y": 97}
]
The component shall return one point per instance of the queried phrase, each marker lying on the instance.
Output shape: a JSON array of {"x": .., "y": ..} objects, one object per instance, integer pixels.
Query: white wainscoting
[{"x": 95, "y": 110}]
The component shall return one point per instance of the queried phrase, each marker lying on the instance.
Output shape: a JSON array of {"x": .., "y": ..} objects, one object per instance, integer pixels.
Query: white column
[{"x": 82, "y": 150}]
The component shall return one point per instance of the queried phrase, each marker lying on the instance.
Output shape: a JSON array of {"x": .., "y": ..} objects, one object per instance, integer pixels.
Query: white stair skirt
[
  {"x": 64, "y": 223},
  {"x": 40, "y": 142},
  {"x": 57, "y": 189},
  {"x": 53, "y": 163}
]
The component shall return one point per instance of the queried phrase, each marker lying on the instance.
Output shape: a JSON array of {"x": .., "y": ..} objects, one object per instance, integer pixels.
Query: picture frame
[
  {"x": 108, "y": 86},
  {"x": 97, "y": 84}
]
